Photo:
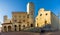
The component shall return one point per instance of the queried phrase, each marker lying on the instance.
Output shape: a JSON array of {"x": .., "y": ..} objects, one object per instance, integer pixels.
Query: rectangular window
[
  {"x": 19, "y": 21},
  {"x": 23, "y": 20},
  {"x": 27, "y": 16},
  {"x": 27, "y": 22}
]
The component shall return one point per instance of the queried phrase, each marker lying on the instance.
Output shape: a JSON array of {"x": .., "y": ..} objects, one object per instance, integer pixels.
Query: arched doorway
[
  {"x": 19, "y": 27},
  {"x": 45, "y": 22},
  {"x": 5, "y": 28},
  {"x": 31, "y": 25},
  {"x": 15, "y": 26},
  {"x": 9, "y": 28}
]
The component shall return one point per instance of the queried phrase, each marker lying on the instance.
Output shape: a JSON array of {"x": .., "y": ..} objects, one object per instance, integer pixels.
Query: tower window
[{"x": 40, "y": 14}]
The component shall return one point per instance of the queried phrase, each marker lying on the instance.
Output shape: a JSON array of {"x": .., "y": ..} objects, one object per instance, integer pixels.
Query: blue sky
[{"x": 8, "y": 6}]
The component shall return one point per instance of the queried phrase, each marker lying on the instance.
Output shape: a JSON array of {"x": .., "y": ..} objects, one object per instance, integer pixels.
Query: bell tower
[
  {"x": 30, "y": 12},
  {"x": 30, "y": 8}
]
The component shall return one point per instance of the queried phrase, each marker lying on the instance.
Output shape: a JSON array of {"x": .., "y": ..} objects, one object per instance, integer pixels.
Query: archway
[
  {"x": 5, "y": 28},
  {"x": 19, "y": 27},
  {"x": 31, "y": 25},
  {"x": 15, "y": 27},
  {"x": 9, "y": 28}
]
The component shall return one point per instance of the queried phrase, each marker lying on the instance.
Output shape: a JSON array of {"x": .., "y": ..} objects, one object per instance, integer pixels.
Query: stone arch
[
  {"x": 31, "y": 25},
  {"x": 9, "y": 28},
  {"x": 19, "y": 27},
  {"x": 15, "y": 26},
  {"x": 5, "y": 28}
]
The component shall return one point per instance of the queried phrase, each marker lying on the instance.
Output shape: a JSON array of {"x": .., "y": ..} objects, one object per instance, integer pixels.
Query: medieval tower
[{"x": 30, "y": 12}]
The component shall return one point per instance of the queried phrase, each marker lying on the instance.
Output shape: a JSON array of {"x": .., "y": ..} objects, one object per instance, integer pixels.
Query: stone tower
[{"x": 30, "y": 12}]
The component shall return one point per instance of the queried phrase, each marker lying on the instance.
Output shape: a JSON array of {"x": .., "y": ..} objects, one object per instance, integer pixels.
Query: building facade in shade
[
  {"x": 47, "y": 19},
  {"x": 19, "y": 20}
]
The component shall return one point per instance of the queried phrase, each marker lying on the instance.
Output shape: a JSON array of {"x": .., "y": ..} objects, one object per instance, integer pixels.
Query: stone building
[
  {"x": 19, "y": 20},
  {"x": 23, "y": 20},
  {"x": 47, "y": 19}
]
